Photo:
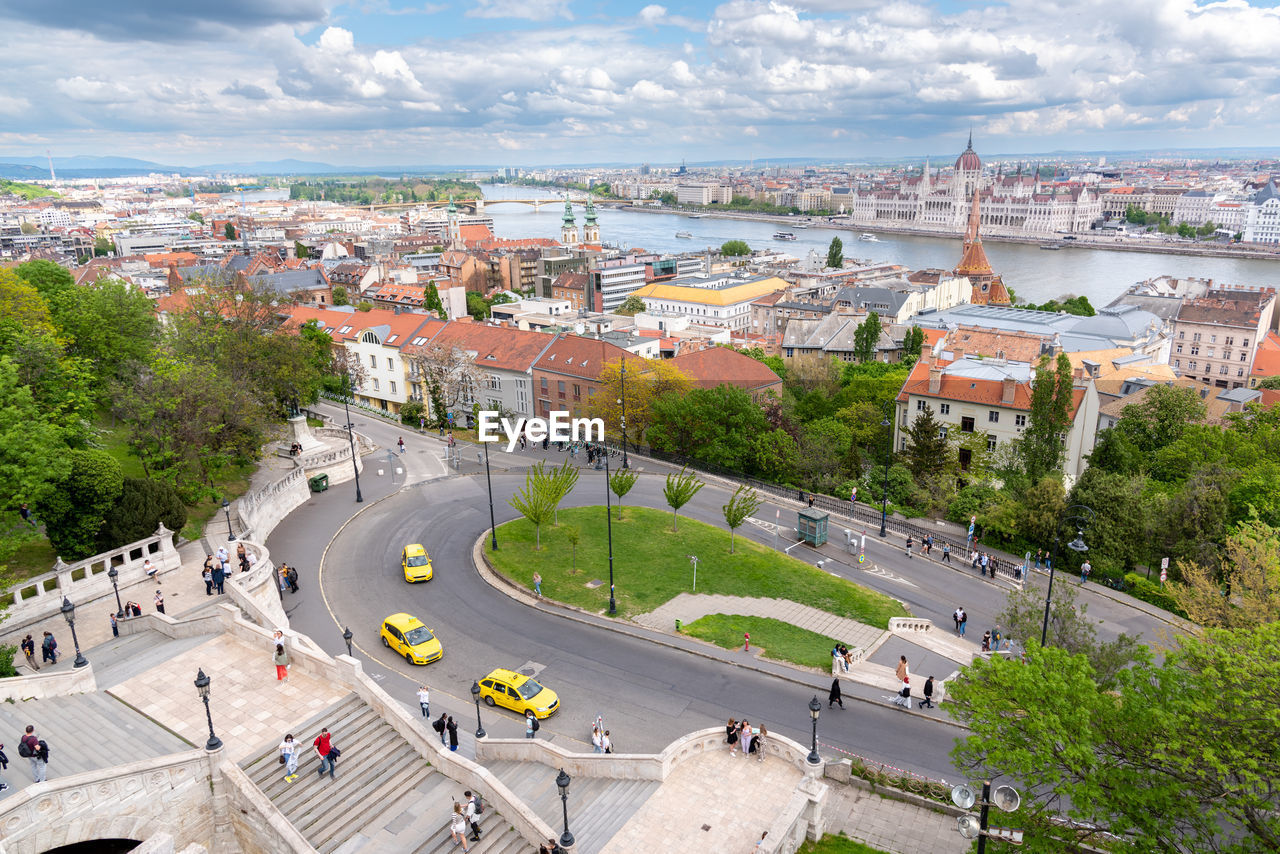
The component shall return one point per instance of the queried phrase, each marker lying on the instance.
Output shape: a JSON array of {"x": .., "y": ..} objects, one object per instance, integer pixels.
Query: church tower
[
  {"x": 569, "y": 226},
  {"x": 590, "y": 229},
  {"x": 988, "y": 288},
  {"x": 455, "y": 230}
]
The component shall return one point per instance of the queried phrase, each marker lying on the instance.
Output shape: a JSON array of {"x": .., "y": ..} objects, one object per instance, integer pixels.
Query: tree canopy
[{"x": 734, "y": 248}]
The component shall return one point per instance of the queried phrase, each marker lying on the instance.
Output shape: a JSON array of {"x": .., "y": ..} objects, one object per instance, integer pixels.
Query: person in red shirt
[{"x": 324, "y": 749}]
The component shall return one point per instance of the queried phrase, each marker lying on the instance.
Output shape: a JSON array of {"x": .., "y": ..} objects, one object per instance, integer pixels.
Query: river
[{"x": 1034, "y": 274}]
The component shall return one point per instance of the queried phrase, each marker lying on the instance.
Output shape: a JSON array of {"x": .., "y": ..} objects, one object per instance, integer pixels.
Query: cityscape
[{"x": 836, "y": 428}]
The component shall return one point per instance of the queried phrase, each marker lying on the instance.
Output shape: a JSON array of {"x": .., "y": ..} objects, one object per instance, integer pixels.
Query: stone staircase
[
  {"x": 386, "y": 797},
  {"x": 85, "y": 732},
  {"x": 598, "y": 806},
  {"x": 120, "y": 659}
]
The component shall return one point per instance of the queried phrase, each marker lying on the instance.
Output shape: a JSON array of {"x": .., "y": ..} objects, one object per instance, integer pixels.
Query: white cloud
[{"x": 533, "y": 10}]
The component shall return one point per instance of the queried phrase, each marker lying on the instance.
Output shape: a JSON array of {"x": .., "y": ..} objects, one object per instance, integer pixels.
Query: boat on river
[
  {"x": 783, "y": 235},
  {"x": 869, "y": 238},
  {"x": 683, "y": 234}
]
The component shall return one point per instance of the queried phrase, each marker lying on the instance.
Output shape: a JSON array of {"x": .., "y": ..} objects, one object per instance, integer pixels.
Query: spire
[
  {"x": 453, "y": 209},
  {"x": 591, "y": 212},
  {"x": 970, "y": 145},
  {"x": 975, "y": 219},
  {"x": 568, "y": 219}
]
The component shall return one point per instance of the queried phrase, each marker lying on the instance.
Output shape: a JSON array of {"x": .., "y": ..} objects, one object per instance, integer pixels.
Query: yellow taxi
[
  {"x": 407, "y": 636},
  {"x": 416, "y": 563},
  {"x": 515, "y": 691}
]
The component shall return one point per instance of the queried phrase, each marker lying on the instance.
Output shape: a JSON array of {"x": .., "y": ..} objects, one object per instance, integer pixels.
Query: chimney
[
  {"x": 1009, "y": 385},
  {"x": 935, "y": 379}
]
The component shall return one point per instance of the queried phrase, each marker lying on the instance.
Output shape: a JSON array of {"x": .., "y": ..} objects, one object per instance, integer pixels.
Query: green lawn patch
[
  {"x": 776, "y": 639},
  {"x": 115, "y": 441},
  {"x": 651, "y": 566},
  {"x": 837, "y": 845},
  {"x": 34, "y": 557}
]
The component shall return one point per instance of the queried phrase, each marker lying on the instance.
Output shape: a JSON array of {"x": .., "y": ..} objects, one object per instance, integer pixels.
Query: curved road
[{"x": 649, "y": 694}]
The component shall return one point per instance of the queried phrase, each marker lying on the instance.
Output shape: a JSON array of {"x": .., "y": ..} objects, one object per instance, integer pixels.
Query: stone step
[
  {"x": 120, "y": 659},
  {"x": 339, "y": 714},
  {"x": 409, "y": 820},
  {"x": 287, "y": 796},
  {"x": 401, "y": 774}
]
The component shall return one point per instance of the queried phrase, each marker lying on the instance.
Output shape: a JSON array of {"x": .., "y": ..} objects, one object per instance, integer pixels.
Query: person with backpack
[
  {"x": 530, "y": 724},
  {"x": 471, "y": 811},
  {"x": 29, "y": 650},
  {"x": 438, "y": 726},
  {"x": 49, "y": 649},
  {"x": 33, "y": 748},
  {"x": 327, "y": 752}
]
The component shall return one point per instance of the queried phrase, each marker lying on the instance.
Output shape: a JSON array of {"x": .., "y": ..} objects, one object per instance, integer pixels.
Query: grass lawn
[
  {"x": 776, "y": 639},
  {"x": 837, "y": 845},
  {"x": 32, "y": 558},
  {"x": 651, "y": 566}
]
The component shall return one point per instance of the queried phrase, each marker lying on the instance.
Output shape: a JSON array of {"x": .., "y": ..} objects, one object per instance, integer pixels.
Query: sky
[{"x": 532, "y": 82}]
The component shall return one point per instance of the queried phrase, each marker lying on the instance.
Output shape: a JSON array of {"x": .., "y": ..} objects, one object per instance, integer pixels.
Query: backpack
[
  {"x": 438, "y": 726},
  {"x": 24, "y": 749},
  {"x": 479, "y": 802},
  {"x": 535, "y": 724}
]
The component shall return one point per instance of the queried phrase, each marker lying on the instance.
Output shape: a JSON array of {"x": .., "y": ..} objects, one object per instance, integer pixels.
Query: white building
[
  {"x": 1262, "y": 217},
  {"x": 717, "y": 301},
  {"x": 695, "y": 194}
]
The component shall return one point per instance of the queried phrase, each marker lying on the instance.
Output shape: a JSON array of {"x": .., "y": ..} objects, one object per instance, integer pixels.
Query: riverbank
[{"x": 1081, "y": 241}]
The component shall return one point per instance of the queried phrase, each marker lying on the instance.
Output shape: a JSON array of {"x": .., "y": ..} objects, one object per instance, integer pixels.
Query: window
[
  {"x": 577, "y": 392},
  {"x": 919, "y": 406},
  {"x": 391, "y": 365},
  {"x": 1178, "y": 349},
  {"x": 1209, "y": 352},
  {"x": 1239, "y": 372},
  {"x": 1244, "y": 357},
  {"x": 1195, "y": 336},
  {"x": 1213, "y": 339},
  {"x": 544, "y": 383},
  {"x": 1177, "y": 363},
  {"x": 1181, "y": 335},
  {"x": 373, "y": 361},
  {"x": 966, "y": 424},
  {"x": 560, "y": 388},
  {"x": 1230, "y": 341},
  {"x": 1191, "y": 366},
  {"x": 375, "y": 383},
  {"x": 1244, "y": 343},
  {"x": 1226, "y": 354},
  {"x": 944, "y": 408},
  {"x": 991, "y": 443},
  {"x": 1020, "y": 421},
  {"x": 942, "y": 432},
  {"x": 1222, "y": 369},
  {"x": 393, "y": 386},
  {"x": 965, "y": 456},
  {"x": 993, "y": 417},
  {"x": 1195, "y": 351}
]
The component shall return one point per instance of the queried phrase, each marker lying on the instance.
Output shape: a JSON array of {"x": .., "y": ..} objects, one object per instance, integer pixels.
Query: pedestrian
[
  {"x": 159, "y": 602},
  {"x": 760, "y": 741},
  {"x": 452, "y": 726},
  {"x": 946, "y": 553},
  {"x": 731, "y": 735},
  {"x": 964, "y": 618},
  {"x": 853, "y": 496},
  {"x": 33, "y": 748},
  {"x": 1039, "y": 556},
  {"x": 956, "y": 617},
  {"x": 606, "y": 742},
  {"x": 149, "y": 568},
  {"x": 25, "y": 512},
  {"x": 207, "y": 575},
  {"x": 4, "y": 766},
  {"x": 986, "y": 562},
  {"x": 995, "y": 638},
  {"x": 222, "y": 557},
  {"x": 136, "y": 609},
  {"x": 537, "y": 585},
  {"x": 910, "y": 544},
  {"x": 218, "y": 576},
  {"x": 281, "y": 658},
  {"x": 744, "y": 736},
  {"x": 250, "y": 561},
  {"x": 973, "y": 560},
  {"x": 1085, "y": 569},
  {"x": 438, "y": 726},
  {"x": 834, "y": 695},
  {"x": 242, "y": 556},
  {"x": 810, "y": 499},
  {"x": 748, "y": 739},
  {"x": 400, "y": 442},
  {"x": 292, "y": 577},
  {"x": 424, "y": 701},
  {"x": 986, "y": 641},
  {"x": 115, "y": 629},
  {"x": 760, "y": 844},
  {"x": 928, "y": 693},
  {"x": 928, "y": 543},
  {"x": 324, "y": 749},
  {"x": 49, "y": 649},
  {"x": 458, "y": 826},
  {"x": 289, "y": 758},
  {"x": 29, "y": 650},
  {"x": 901, "y": 670},
  {"x": 530, "y": 724},
  {"x": 471, "y": 811}
]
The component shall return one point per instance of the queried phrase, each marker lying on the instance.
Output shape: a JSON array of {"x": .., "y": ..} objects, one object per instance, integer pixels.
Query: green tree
[
  {"x": 340, "y": 295},
  {"x": 102, "y": 247},
  {"x": 573, "y": 535},
  {"x": 928, "y": 450},
  {"x": 560, "y": 481},
  {"x": 865, "y": 338},
  {"x": 33, "y": 456},
  {"x": 411, "y": 412},
  {"x": 110, "y": 325},
  {"x": 1185, "y": 230},
  {"x": 679, "y": 490},
  {"x": 734, "y": 248},
  {"x": 477, "y": 306},
  {"x": 620, "y": 483},
  {"x": 431, "y": 300},
  {"x": 1160, "y": 418},
  {"x": 1041, "y": 447},
  {"x": 229, "y": 231},
  {"x": 196, "y": 216},
  {"x": 1070, "y": 628},
  {"x": 47, "y": 277},
  {"x": 631, "y": 306},
  {"x": 775, "y": 456},
  {"x": 742, "y": 504},
  {"x": 912, "y": 344},
  {"x": 835, "y": 254},
  {"x": 142, "y": 506},
  {"x": 535, "y": 501},
  {"x": 642, "y": 382},
  {"x": 73, "y": 511},
  {"x": 716, "y": 425},
  {"x": 1269, "y": 383},
  {"x": 1242, "y": 589}
]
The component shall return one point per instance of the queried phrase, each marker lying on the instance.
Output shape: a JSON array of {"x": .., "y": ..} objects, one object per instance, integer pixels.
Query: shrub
[
  {"x": 137, "y": 513},
  {"x": 411, "y": 411},
  {"x": 1142, "y": 588}
]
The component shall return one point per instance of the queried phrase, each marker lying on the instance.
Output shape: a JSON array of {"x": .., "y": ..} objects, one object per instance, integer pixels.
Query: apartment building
[
  {"x": 1215, "y": 337},
  {"x": 717, "y": 301},
  {"x": 566, "y": 376},
  {"x": 503, "y": 359}
]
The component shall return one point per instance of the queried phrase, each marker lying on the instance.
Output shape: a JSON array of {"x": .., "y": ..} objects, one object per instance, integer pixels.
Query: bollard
[
  {"x": 746, "y": 642},
  {"x": 677, "y": 627}
]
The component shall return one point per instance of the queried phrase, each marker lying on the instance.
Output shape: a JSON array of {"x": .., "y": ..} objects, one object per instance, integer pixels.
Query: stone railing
[
  {"x": 257, "y": 591},
  {"x": 347, "y": 672},
  {"x": 839, "y": 667},
  {"x": 84, "y": 581},
  {"x": 37, "y": 686},
  {"x": 801, "y": 819},
  {"x": 262, "y": 509},
  {"x": 259, "y": 823},
  {"x": 899, "y": 625},
  {"x": 133, "y": 800}
]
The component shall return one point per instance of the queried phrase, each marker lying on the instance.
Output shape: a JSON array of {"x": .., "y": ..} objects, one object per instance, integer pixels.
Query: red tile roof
[
  {"x": 1266, "y": 363},
  {"x": 716, "y": 366},
  {"x": 966, "y": 390},
  {"x": 499, "y": 347},
  {"x": 580, "y": 357}
]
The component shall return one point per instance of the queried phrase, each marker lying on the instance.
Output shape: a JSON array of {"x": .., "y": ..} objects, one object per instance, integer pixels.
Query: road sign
[
  {"x": 1164, "y": 570},
  {"x": 1164, "y": 563}
]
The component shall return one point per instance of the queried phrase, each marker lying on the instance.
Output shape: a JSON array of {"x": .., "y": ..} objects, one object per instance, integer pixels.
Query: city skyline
[{"x": 381, "y": 83}]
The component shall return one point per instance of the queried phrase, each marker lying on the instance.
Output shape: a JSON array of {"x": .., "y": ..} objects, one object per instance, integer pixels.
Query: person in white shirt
[
  {"x": 289, "y": 751},
  {"x": 424, "y": 700}
]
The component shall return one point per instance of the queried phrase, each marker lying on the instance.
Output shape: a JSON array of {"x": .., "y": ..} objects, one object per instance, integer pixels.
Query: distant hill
[{"x": 27, "y": 191}]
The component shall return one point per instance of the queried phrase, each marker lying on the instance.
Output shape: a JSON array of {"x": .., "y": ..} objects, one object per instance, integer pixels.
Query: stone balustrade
[
  {"x": 84, "y": 581},
  {"x": 899, "y": 625},
  {"x": 856, "y": 657},
  {"x": 257, "y": 591},
  {"x": 37, "y": 686}
]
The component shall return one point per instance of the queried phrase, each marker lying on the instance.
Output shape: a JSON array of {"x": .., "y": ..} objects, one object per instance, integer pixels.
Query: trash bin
[{"x": 319, "y": 483}]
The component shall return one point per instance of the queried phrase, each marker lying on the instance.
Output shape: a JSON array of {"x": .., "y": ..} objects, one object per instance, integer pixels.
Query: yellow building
[{"x": 723, "y": 301}]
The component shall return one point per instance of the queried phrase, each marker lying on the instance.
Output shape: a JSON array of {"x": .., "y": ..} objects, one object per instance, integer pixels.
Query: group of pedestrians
[
  {"x": 903, "y": 672},
  {"x": 48, "y": 650},
  {"x": 326, "y": 751},
  {"x": 961, "y": 618},
  {"x": 466, "y": 817},
  {"x": 288, "y": 576},
  {"x": 446, "y": 724},
  {"x": 742, "y": 735},
  {"x": 601, "y": 740}
]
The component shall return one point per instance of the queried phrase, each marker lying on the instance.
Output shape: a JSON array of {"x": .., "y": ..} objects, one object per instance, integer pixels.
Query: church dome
[{"x": 968, "y": 160}]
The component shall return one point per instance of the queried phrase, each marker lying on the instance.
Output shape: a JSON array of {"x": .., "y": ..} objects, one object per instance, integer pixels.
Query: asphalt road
[{"x": 648, "y": 694}]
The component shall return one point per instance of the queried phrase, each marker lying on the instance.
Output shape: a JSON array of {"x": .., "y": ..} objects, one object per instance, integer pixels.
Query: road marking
[
  {"x": 886, "y": 574},
  {"x": 531, "y": 669}
]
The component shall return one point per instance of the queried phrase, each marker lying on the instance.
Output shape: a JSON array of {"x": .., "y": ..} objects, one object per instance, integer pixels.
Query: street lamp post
[
  {"x": 884, "y": 499},
  {"x": 493, "y": 525},
  {"x": 69, "y": 614},
  {"x": 351, "y": 435},
  {"x": 475, "y": 695},
  {"x": 1005, "y": 798},
  {"x": 623, "y": 419},
  {"x": 562, "y": 783},
  {"x": 608, "y": 517},
  {"x": 347, "y": 636},
  {"x": 1081, "y": 515},
  {"x": 202, "y": 688},
  {"x": 226, "y": 511},
  {"x": 114, "y": 575},
  {"x": 815, "y": 708}
]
